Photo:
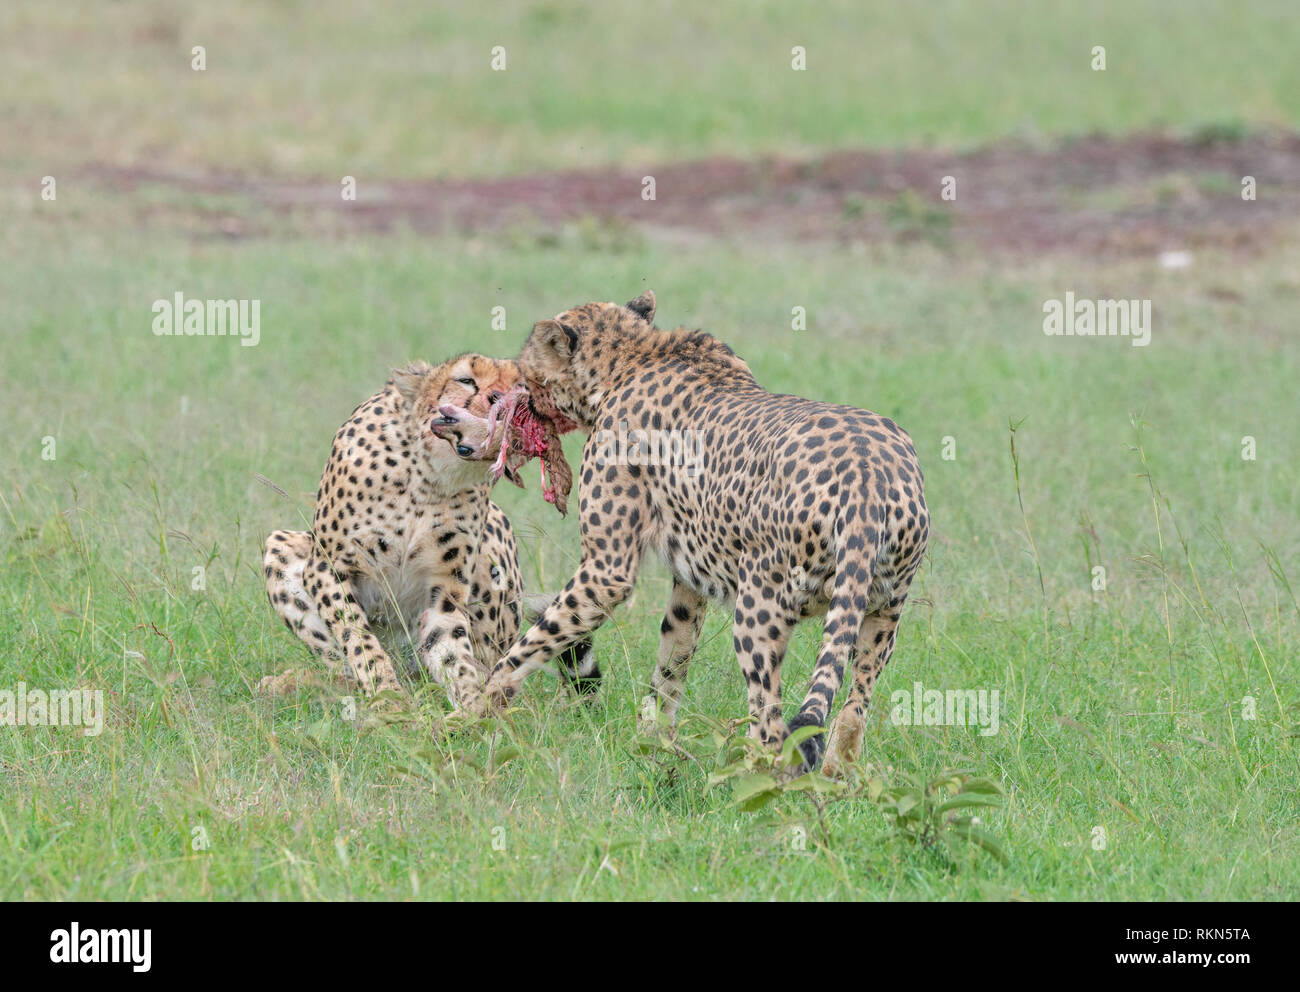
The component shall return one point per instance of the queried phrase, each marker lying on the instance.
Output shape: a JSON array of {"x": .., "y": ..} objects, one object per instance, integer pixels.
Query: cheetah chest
[{"x": 423, "y": 551}]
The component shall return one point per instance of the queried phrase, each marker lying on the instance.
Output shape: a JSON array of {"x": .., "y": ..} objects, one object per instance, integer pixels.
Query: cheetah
[
  {"x": 785, "y": 508},
  {"x": 404, "y": 537}
]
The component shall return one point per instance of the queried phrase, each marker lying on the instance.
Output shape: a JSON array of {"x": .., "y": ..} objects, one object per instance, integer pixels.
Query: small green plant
[{"x": 941, "y": 810}]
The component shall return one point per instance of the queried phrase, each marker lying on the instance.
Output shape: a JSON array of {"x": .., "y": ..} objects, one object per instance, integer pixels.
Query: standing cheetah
[
  {"x": 404, "y": 536},
  {"x": 785, "y": 507}
]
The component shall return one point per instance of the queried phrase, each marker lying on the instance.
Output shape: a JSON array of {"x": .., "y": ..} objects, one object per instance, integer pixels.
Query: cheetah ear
[
  {"x": 409, "y": 379},
  {"x": 644, "y": 305}
]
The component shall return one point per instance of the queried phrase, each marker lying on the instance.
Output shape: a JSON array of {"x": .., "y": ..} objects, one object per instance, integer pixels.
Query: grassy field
[
  {"x": 1147, "y": 741},
  {"x": 1111, "y": 719}
]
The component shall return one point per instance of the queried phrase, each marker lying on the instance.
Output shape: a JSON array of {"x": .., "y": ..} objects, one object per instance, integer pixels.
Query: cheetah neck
[{"x": 445, "y": 477}]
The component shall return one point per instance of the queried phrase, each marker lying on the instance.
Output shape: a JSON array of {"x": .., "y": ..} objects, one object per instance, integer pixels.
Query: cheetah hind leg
[
  {"x": 875, "y": 646},
  {"x": 285, "y": 558},
  {"x": 874, "y": 649}
]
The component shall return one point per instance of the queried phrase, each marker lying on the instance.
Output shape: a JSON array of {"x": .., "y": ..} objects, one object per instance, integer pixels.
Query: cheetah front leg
[
  {"x": 611, "y": 557},
  {"x": 284, "y": 562},
  {"x": 346, "y": 623},
  {"x": 679, "y": 633},
  {"x": 446, "y": 650},
  {"x": 583, "y": 605},
  {"x": 761, "y": 630}
]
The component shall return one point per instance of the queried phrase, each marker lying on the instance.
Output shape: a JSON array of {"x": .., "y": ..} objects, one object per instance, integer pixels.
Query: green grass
[
  {"x": 327, "y": 88},
  {"x": 1111, "y": 719}
]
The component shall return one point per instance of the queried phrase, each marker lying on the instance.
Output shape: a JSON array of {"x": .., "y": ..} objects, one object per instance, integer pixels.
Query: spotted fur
[
  {"x": 405, "y": 539},
  {"x": 797, "y": 509}
]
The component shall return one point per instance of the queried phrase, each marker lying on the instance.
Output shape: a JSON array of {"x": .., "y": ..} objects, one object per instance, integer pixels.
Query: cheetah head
[
  {"x": 438, "y": 398},
  {"x": 565, "y": 359}
]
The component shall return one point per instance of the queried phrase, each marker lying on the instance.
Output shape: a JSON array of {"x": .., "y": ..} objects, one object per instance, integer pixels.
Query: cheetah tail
[{"x": 855, "y": 567}]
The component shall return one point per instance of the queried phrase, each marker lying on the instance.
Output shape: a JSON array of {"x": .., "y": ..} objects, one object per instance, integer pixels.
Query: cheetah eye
[{"x": 467, "y": 382}]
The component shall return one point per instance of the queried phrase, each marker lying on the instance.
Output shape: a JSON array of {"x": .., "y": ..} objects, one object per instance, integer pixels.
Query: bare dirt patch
[{"x": 1133, "y": 195}]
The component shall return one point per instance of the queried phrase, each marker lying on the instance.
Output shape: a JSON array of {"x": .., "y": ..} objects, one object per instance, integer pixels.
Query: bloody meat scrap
[{"x": 532, "y": 427}]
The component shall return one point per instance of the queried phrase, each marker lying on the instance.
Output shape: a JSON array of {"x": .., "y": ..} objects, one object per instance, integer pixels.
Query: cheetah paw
[{"x": 284, "y": 684}]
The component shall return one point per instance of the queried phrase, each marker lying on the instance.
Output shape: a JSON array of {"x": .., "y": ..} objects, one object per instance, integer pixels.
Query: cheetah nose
[{"x": 495, "y": 396}]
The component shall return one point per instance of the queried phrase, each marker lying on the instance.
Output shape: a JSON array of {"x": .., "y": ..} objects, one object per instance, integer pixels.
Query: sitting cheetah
[
  {"x": 405, "y": 536},
  {"x": 785, "y": 507}
]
